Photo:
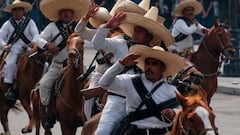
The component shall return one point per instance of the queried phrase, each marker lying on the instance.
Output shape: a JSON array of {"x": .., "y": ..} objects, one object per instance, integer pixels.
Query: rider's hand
[
  {"x": 116, "y": 20},
  {"x": 129, "y": 60},
  {"x": 52, "y": 48},
  {"x": 6, "y": 48},
  {"x": 91, "y": 12},
  {"x": 169, "y": 113}
]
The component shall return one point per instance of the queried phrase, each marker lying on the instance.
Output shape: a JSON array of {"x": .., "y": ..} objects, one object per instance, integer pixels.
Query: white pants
[
  {"x": 47, "y": 81},
  {"x": 99, "y": 71},
  {"x": 113, "y": 112},
  {"x": 10, "y": 66}
]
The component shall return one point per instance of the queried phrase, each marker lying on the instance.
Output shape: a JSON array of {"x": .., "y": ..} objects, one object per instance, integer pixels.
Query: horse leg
[
  {"x": 4, "y": 120},
  {"x": 68, "y": 129},
  {"x": 26, "y": 105},
  {"x": 91, "y": 125}
]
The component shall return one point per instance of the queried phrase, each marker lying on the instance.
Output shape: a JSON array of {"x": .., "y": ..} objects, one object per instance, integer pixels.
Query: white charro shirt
[
  {"x": 31, "y": 32},
  {"x": 180, "y": 26},
  {"x": 47, "y": 35},
  {"x": 114, "y": 82},
  {"x": 116, "y": 45}
]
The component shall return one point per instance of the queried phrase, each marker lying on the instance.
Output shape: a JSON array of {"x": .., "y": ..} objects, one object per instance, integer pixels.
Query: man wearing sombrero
[
  {"x": 15, "y": 33},
  {"x": 185, "y": 25},
  {"x": 144, "y": 92},
  {"x": 54, "y": 38},
  {"x": 96, "y": 16}
]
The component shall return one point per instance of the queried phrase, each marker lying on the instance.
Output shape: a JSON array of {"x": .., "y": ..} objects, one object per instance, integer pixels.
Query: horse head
[
  {"x": 195, "y": 118},
  {"x": 219, "y": 36},
  {"x": 75, "y": 49}
]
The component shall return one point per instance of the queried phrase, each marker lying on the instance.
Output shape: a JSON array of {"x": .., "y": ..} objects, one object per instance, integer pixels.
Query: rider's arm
[
  {"x": 182, "y": 27},
  {"x": 4, "y": 33}
]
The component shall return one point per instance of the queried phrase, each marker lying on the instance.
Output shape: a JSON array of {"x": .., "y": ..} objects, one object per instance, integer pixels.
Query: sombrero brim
[
  {"x": 188, "y": 3},
  {"x": 173, "y": 62},
  {"x": 27, "y": 6},
  {"x": 101, "y": 17},
  {"x": 158, "y": 30},
  {"x": 51, "y": 8}
]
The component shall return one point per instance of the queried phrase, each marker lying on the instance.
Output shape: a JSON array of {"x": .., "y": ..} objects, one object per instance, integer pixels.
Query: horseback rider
[
  {"x": 114, "y": 109},
  {"x": 15, "y": 33},
  {"x": 185, "y": 25},
  {"x": 53, "y": 38},
  {"x": 150, "y": 100}
]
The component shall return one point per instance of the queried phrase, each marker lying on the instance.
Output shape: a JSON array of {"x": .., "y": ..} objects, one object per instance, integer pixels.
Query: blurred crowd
[{"x": 166, "y": 7}]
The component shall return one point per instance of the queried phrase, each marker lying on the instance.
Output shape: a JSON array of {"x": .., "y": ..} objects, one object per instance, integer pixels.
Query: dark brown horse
[
  {"x": 68, "y": 99},
  {"x": 195, "y": 118},
  {"x": 207, "y": 58},
  {"x": 28, "y": 74}
]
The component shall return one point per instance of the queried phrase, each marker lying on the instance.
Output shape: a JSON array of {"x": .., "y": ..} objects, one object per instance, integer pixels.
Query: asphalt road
[{"x": 226, "y": 108}]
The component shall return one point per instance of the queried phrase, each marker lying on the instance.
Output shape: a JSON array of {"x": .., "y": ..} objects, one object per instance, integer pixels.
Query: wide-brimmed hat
[
  {"x": 51, "y": 8},
  {"x": 188, "y": 3},
  {"x": 101, "y": 16},
  {"x": 17, "y": 3},
  {"x": 173, "y": 62},
  {"x": 132, "y": 7},
  {"x": 150, "y": 23}
]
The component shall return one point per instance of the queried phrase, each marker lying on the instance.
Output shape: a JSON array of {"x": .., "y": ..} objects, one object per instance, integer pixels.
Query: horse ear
[
  {"x": 225, "y": 21},
  {"x": 202, "y": 93},
  {"x": 182, "y": 100},
  {"x": 215, "y": 23}
]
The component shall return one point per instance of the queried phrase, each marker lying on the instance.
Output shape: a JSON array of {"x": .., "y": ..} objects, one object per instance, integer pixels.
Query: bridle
[
  {"x": 76, "y": 60},
  {"x": 222, "y": 55},
  {"x": 190, "y": 131}
]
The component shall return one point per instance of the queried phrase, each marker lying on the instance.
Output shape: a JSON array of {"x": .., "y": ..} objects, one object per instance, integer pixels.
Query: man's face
[
  {"x": 18, "y": 13},
  {"x": 188, "y": 12},
  {"x": 153, "y": 69},
  {"x": 141, "y": 35},
  {"x": 66, "y": 15}
]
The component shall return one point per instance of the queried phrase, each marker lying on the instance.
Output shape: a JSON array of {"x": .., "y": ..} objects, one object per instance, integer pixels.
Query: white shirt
[
  {"x": 180, "y": 26},
  {"x": 31, "y": 32},
  {"x": 123, "y": 84},
  {"x": 83, "y": 31},
  {"x": 47, "y": 35},
  {"x": 116, "y": 45}
]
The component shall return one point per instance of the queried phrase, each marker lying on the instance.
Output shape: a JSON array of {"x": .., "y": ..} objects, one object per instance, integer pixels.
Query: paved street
[{"x": 226, "y": 108}]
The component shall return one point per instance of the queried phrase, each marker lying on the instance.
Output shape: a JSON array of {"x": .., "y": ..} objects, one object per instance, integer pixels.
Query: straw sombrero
[
  {"x": 173, "y": 62},
  {"x": 51, "y": 8},
  {"x": 130, "y": 6},
  {"x": 101, "y": 16},
  {"x": 17, "y": 3},
  {"x": 188, "y": 3},
  {"x": 148, "y": 21}
]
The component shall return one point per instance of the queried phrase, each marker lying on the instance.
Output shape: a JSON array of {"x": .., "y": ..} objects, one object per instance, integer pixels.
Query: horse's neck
[
  {"x": 176, "y": 130},
  {"x": 206, "y": 56}
]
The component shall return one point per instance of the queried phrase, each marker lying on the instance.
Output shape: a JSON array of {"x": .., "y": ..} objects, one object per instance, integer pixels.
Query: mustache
[{"x": 148, "y": 71}]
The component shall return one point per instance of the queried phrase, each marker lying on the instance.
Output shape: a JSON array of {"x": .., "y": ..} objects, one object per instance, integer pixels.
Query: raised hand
[
  {"x": 91, "y": 11},
  {"x": 116, "y": 20},
  {"x": 130, "y": 60}
]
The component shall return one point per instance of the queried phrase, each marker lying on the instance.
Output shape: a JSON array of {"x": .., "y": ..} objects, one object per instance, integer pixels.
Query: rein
[{"x": 213, "y": 58}]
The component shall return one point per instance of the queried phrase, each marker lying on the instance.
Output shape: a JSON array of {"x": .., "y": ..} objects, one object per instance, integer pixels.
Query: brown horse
[
  {"x": 195, "y": 118},
  {"x": 207, "y": 58},
  {"x": 28, "y": 74},
  {"x": 68, "y": 99}
]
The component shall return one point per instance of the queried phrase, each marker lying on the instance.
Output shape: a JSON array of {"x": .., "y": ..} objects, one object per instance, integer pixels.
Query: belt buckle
[{"x": 148, "y": 95}]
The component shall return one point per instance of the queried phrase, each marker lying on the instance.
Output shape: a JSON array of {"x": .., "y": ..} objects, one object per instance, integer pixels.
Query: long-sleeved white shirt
[
  {"x": 180, "y": 26},
  {"x": 31, "y": 32},
  {"x": 116, "y": 45},
  {"x": 47, "y": 35},
  {"x": 122, "y": 84}
]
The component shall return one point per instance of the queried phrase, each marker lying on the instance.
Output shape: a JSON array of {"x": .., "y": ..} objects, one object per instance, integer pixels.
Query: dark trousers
[{"x": 156, "y": 131}]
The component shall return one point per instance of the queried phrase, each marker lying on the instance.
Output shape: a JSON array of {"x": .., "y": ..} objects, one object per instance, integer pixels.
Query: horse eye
[{"x": 191, "y": 120}]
